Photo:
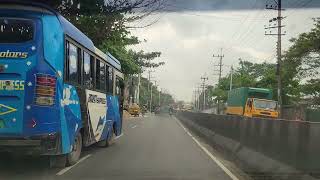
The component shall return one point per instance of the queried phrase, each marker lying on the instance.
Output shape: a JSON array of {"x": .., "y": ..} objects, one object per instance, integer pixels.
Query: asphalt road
[{"x": 150, "y": 148}]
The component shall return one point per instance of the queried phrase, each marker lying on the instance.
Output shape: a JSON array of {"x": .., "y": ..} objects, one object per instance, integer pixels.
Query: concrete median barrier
[{"x": 274, "y": 147}]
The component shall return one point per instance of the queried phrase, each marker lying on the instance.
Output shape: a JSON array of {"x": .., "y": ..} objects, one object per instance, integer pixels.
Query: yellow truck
[
  {"x": 134, "y": 110},
  {"x": 252, "y": 102}
]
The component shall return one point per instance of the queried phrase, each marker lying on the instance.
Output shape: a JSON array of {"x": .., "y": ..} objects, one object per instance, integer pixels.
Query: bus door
[{"x": 120, "y": 94}]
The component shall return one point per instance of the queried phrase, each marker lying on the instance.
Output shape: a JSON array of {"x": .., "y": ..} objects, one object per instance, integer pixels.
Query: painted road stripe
[
  {"x": 134, "y": 126},
  {"x": 63, "y": 171},
  {"x": 119, "y": 136},
  {"x": 219, "y": 163}
]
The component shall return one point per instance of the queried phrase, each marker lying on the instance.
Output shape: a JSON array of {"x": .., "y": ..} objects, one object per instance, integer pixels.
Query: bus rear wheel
[
  {"x": 109, "y": 141},
  {"x": 74, "y": 155}
]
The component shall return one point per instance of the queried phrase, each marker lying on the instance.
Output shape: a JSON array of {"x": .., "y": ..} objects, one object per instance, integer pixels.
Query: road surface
[{"x": 151, "y": 148}]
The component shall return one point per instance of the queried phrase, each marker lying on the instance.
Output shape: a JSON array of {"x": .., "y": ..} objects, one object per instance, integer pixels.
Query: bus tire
[
  {"x": 107, "y": 142},
  {"x": 74, "y": 155}
]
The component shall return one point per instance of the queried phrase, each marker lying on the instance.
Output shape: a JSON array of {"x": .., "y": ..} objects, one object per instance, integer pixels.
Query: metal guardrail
[{"x": 292, "y": 143}]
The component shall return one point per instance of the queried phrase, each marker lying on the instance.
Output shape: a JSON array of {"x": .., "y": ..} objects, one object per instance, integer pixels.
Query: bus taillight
[{"x": 45, "y": 90}]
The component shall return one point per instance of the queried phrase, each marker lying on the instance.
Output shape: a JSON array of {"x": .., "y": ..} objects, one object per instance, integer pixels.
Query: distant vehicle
[
  {"x": 186, "y": 107},
  {"x": 171, "y": 110},
  {"x": 157, "y": 110},
  {"x": 134, "y": 110},
  {"x": 58, "y": 92},
  {"x": 252, "y": 102},
  {"x": 144, "y": 110}
]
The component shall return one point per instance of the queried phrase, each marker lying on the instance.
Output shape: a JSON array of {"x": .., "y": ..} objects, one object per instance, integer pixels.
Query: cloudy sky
[{"x": 189, "y": 32}]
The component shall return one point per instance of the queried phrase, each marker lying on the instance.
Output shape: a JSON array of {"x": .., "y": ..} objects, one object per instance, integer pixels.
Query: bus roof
[
  {"x": 74, "y": 33},
  {"x": 69, "y": 29}
]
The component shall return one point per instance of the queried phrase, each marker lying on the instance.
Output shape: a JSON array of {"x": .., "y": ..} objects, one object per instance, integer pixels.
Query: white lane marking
[
  {"x": 68, "y": 168},
  {"x": 119, "y": 136},
  {"x": 134, "y": 126},
  {"x": 226, "y": 170}
]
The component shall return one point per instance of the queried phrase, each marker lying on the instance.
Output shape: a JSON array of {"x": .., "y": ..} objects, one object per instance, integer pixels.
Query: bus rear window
[{"x": 15, "y": 30}]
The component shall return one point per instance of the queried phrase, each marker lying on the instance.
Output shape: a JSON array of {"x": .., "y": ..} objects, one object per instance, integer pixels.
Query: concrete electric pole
[
  {"x": 231, "y": 78},
  {"x": 278, "y": 7},
  {"x": 204, "y": 79},
  {"x": 150, "y": 88},
  {"x": 160, "y": 97},
  {"x": 220, "y": 65},
  {"x": 138, "y": 89},
  {"x": 198, "y": 97}
]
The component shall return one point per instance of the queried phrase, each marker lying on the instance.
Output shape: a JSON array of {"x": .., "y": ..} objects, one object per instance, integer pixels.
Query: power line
[
  {"x": 204, "y": 79},
  {"x": 220, "y": 65},
  {"x": 240, "y": 26},
  {"x": 188, "y": 11},
  {"x": 242, "y": 40},
  {"x": 279, "y": 34},
  {"x": 303, "y": 4}
]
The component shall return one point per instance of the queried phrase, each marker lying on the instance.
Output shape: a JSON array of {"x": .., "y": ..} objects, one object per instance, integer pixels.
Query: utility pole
[
  {"x": 231, "y": 78},
  {"x": 241, "y": 80},
  {"x": 198, "y": 97},
  {"x": 159, "y": 98},
  {"x": 278, "y": 26},
  {"x": 150, "y": 88},
  {"x": 150, "y": 99},
  {"x": 204, "y": 79},
  {"x": 131, "y": 91},
  {"x": 220, "y": 56},
  {"x": 195, "y": 99},
  {"x": 138, "y": 89},
  {"x": 149, "y": 78},
  {"x": 155, "y": 84}
]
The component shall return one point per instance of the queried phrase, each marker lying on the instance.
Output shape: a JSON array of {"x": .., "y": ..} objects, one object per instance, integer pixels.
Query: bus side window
[
  {"x": 118, "y": 87},
  {"x": 73, "y": 64},
  {"x": 87, "y": 74},
  {"x": 93, "y": 73},
  {"x": 80, "y": 63},
  {"x": 110, "y": 80},
  {"x": 107, "y": 78},
  {"x": 97, "y": 74},
  {"x": 101, "y": 75}
]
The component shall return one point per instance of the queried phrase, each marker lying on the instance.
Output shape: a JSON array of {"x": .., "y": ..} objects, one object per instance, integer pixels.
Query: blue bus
[{"x": 58, "y": 92}]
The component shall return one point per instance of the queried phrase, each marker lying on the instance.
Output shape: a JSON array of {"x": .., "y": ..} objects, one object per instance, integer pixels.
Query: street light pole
[
  {"x": 204, "y": 79},
  {"x": 231, "y": 78},
  {"x": 150, "y": 99},
  {"x": 159, "y": 98}
]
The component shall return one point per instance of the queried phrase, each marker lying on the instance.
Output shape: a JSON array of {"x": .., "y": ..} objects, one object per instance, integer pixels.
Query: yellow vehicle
[
  {"x": 252, "y": 102},
  {"x": 134, "y": 110}
]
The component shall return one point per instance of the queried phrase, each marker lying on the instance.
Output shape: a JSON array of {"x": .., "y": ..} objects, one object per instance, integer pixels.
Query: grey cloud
[
  {"x": 209, "y": 5},
  {"x": 188, "y": 42}
]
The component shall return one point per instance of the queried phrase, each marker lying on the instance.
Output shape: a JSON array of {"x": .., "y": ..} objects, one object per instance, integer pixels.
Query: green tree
[
  {"x": 300, "y": 72},
  {"x": 166, "y": 98},
  {"x": 301, "y": 65},
  {"x": 105, "y": 23}
]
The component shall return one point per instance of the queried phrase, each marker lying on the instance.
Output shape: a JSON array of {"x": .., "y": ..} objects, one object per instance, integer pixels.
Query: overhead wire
[{"x": 243, "y": 34}]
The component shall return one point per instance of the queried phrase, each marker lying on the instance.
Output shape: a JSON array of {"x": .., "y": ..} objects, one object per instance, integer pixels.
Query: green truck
[{"x": 252, "y": 102}]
